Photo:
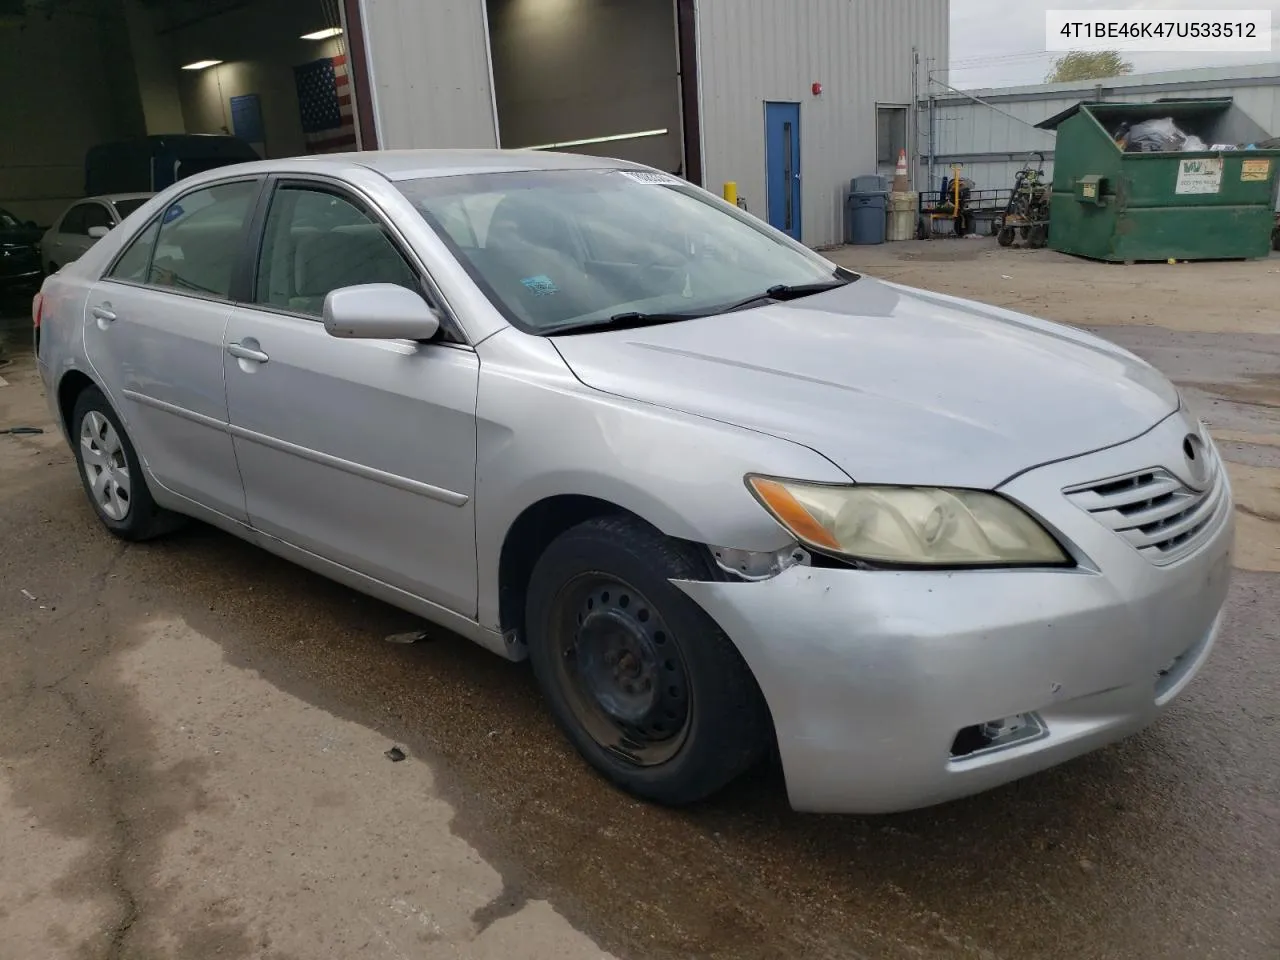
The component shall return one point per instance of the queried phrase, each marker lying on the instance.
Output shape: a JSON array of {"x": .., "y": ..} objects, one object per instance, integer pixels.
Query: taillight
[{"x": 37, "y": 309}]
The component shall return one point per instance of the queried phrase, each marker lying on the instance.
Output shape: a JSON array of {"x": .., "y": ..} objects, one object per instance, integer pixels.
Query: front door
[
  {"x": 782, "y": 160},
  {"x": 362, "y": 452},
  {"x": 154, "y": 332}
]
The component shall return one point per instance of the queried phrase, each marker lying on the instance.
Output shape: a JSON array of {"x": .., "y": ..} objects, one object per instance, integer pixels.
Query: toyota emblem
[{"x": 1197, "y": 460}]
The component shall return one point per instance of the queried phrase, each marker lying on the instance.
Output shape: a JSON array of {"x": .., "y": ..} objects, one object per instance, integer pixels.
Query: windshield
[
  {"x": 126, "y": 207},
  {"x": 557, "y": 249},
  {"x": 7, "y": 219}
]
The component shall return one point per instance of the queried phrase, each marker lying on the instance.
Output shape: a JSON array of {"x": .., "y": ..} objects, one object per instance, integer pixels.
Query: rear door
[
  {"x": 362, "y": 452},
  {"x": 154, "y": 329}
]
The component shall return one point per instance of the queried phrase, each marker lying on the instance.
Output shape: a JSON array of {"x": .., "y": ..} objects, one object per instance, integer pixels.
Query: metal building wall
[
  {"x": 752, "y": 51},
  {"x": 992, "y": 146},
  {"x": 430, "y": 73}
]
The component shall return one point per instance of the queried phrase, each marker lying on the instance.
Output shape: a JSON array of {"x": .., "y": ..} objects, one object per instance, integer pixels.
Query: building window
[{"x": 891, "y": 134}]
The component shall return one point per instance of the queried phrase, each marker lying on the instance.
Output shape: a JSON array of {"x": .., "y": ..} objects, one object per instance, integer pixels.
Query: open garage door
[
  {"x": 78, "y": 74},
  {"x": 600, "y": 77}
]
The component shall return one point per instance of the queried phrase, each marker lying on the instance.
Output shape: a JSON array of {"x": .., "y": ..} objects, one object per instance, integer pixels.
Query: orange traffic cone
[{"x": 900, "y": 184}]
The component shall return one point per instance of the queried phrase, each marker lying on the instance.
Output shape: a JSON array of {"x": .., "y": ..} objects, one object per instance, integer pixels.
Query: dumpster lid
[{"x": 1169, "y": 106}]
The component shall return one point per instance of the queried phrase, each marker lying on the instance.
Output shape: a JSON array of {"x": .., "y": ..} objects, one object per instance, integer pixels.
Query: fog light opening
[{"x": 997, "y": 735}]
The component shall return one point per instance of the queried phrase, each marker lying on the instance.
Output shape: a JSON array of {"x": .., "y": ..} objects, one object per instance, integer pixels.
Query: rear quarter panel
[{"x": 61, "y": 347}]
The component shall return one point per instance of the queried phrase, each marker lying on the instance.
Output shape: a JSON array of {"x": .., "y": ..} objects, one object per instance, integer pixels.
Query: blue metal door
[{"x": 782, "y": 163}]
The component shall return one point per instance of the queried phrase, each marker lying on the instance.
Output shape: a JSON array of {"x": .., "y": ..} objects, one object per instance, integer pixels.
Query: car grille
[{"x": 1160, "y": 516}]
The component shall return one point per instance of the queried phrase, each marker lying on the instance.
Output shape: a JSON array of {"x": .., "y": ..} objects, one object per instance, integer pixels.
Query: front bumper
[{"x": 870, "y": 675}]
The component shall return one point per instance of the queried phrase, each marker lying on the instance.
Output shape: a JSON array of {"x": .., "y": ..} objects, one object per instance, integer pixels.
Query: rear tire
[
  {"x": 111, "y": 472},
  {"x": 646, "y": 686},
  {"x": 1005, "y": 237}
]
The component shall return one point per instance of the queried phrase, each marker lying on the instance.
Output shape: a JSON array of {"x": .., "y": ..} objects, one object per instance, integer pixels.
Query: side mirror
[
  {"x": 379, "y": 311},
  {"x": 99, "y": 232}
]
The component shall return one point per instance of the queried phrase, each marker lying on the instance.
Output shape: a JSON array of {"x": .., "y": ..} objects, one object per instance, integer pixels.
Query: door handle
[
  {"x": 241, "y": 352},
  {"x": 103, "y": 313}
]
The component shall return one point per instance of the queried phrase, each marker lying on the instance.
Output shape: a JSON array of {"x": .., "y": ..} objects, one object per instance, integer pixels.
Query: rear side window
[
  {"x": 133, "y": 263},
  {"x": 201, "y": 236}
]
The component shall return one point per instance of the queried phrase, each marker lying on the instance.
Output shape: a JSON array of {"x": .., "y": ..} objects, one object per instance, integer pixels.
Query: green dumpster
[{"x": 1109, "y": 204}]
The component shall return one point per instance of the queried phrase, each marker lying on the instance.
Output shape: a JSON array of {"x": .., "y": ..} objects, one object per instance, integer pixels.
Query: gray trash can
[{"x": 867, "y": 210}]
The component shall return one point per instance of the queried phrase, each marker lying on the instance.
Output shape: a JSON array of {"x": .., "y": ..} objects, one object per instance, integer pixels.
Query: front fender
[{"x": 542, "y": 433}]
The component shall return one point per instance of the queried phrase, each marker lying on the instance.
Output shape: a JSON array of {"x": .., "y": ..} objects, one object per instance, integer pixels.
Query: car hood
[{"x": 893, "y": 385}]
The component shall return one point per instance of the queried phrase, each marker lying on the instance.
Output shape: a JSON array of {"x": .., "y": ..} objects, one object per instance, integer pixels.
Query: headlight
[{"x": 924, "y": 526}]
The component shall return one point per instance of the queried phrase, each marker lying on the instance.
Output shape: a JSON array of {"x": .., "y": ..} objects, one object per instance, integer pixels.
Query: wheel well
[
  {"x": 529, "y": 536},
  {"x": 69, "y": 389}
]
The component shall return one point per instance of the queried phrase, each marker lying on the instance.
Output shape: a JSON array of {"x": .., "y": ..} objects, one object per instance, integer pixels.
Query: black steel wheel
[
  {"x": 647, "y": 687},
  {"x": 624, "y": 677},
  {"x": 1005, "y": 237}
]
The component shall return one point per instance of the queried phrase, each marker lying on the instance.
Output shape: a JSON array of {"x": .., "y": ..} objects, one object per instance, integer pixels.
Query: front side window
[
  {"x": 201, "y": 236},
  {"x": 317, "y": 241},
  {"x": 73, "y": 221},
  {"x": 96, "y": 215},
  {"x": 555, "y": 249}
]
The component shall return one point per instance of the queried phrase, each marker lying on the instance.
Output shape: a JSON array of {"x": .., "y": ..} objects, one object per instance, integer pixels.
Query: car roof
[
  {"x": 112, "y": 197},
  {"x": 417, "y": 164}
]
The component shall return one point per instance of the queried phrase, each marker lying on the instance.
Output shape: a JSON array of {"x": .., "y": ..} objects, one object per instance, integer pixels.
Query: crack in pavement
[{"x": 123, "y": 840}]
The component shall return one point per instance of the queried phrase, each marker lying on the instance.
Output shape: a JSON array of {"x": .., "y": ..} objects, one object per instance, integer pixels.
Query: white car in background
[{"x": 83, "y": 224}]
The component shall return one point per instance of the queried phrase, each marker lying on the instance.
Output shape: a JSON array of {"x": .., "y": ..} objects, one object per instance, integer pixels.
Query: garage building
[{"x": 787, "y": 99}]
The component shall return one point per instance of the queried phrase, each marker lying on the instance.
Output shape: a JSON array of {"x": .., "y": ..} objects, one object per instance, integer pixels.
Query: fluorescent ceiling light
[
  {"x": 201, "y": 64},
  {"x": 639, "y": 135},
  {"x": 324, "y": 34}
]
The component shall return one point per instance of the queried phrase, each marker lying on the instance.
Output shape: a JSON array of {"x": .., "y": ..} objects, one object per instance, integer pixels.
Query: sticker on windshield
[
  {"x": 651, "y": 176},
  {"x": 173, "y": 213},
  {"x": 541, "y": 285}
]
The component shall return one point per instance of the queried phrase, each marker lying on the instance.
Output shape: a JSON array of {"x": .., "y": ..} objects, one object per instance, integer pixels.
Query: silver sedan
[
  {"x": 83, "y": 224},
  {"x": 724, "y": 495}
]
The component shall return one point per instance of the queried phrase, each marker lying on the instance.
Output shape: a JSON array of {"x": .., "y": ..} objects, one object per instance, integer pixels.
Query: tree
[{"x": 1088, "y": 65}]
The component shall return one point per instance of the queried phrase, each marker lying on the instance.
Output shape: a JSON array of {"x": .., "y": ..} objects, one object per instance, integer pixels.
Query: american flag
[{"x": 324, "y": 98}]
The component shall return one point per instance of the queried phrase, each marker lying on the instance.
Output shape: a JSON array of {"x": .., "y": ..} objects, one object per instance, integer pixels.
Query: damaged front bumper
[{"x": 897, "y": 689}]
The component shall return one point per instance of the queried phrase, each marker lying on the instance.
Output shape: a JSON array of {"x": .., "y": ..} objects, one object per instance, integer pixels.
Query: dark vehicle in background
[
  {"x": 19, "y": 253},
  {"x": 150, "y": 164}
]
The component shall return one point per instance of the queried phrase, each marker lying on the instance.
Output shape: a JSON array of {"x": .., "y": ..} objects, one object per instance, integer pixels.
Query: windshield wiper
[
  {"x": 785, "y": 291},
  {"x": 620, "y": 321}
]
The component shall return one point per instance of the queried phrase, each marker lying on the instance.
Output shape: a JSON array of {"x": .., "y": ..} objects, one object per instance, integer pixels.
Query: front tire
[
  {"x": 112, "y": 473},
  {"x": 648, "y": 688}
]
